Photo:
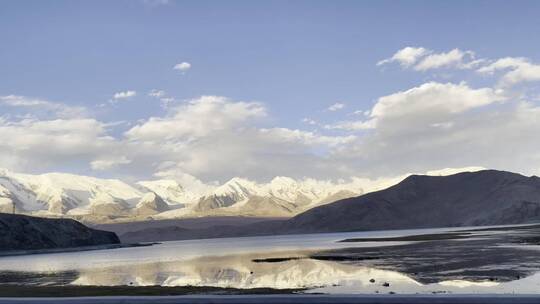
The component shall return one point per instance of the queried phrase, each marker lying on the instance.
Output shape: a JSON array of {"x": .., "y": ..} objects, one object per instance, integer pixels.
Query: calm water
[{"x": 229, "y": 263}]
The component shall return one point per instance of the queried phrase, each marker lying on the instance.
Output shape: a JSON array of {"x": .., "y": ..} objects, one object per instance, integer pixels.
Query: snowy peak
[
  {"x": 94, "y": 199},
  {"x": 151, "y": 204},
  {"x": 238, "y": 187},
  {"x": 282, "y": 196},
  {"x": 234, "y": 192}
]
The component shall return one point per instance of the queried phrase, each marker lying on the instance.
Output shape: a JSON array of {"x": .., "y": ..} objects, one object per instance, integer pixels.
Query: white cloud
[
  {"x": 309, "y": 121},
  {"x": 517, "y": 70},
  {"x": 455, "y": 58},
  {"x": 498, "y": 137},
  {"x": 429, "y": 101},
  {"x": 183, "y": 66},
  {"x": 428, "y": 126},
  {"x": 336, "y": 107},
  {"x": 124, "y": 95},
  {"x": 22, "y": 101},
  {"x": 351, "y": 125},
  {"x": 197, "y": 118},
  {"x": 422, "y": 59},
  {"x": 109, "y": 163},
  {"x": 43, "y": 143},
  {"x": 166, "y": 101},
  {"x": 216, "y": 138},
  {"x": 406, "y": 56},
  {"x": 41, "y": 106},
  {"x": 156, "y": 93},
  {"x": 305, "y": 137},
  {"x": 434, "y": 97}
]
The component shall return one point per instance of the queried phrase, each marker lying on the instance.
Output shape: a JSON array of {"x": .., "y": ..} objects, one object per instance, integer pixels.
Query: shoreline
[
  {"x": 83, "y": 291},
  {"x": 73, "y": 249},
  {"x": 291, "y": 299}
]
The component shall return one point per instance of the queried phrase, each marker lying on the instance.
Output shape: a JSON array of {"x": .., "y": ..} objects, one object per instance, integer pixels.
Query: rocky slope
[
  {"x": 486, "y": 197},
  {"x": 20, "y": 232}
]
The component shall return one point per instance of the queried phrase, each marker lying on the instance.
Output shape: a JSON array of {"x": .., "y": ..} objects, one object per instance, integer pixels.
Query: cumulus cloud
[
  {"x": 417, "y": 129},
  {"x": 422, "y": 59},
  {"x": 182, "y": 67},
  {"x": 434, "y": 97},
  {"x": 429, "y": 101},
  {"x": 211, "y": 137},
  {"x": 197, "y": 118},
  {"x": 41, "y": 106},
  {"x": 455, "y": 58},
  {"x": 486, "y": 138},
  {"x": 124, "y": 95},
  {"x": 43, "y": 143},
  {"x": 336, "y": 107},
  {"x": 406, "y": 56},
  {"x": 216, "y": 138},
  {"x": 517, "y": 69}
]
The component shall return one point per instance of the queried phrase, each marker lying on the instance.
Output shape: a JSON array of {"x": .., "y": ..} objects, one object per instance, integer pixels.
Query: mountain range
[
  {"x": 98, "y": 200},
  {"x": 487, "y": 197}
]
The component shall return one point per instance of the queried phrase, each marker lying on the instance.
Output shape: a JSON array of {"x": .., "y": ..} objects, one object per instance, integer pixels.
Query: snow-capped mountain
[
  {"x": 282, "y": 196},
  {"x": 66, "y": 194},
  {"x": 102, "y": 200}
]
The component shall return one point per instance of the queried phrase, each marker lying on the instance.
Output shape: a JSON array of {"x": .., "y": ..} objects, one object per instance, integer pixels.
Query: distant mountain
[
  {"x": 104, "y": 200},
  {"x": 485, "y": 197},
  {"x": 282, "y": 197},
  {"x": 20, "y": 232},
  {"x": 95, "y": 200},
  {"x": 57, "y": 194}
]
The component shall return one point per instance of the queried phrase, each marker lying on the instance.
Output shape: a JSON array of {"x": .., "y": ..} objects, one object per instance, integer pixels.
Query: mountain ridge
[
  {"x": 482, "y": 198},
  {"x": 419, "y": 201},
  {"x": 95, "y": 200}
]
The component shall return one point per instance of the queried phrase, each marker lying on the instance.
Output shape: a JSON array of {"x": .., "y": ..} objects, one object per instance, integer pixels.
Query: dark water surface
[{"x": 459, "y": 261}]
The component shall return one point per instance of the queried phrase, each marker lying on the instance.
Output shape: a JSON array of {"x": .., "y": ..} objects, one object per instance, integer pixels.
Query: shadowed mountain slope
[
  {"x": 21, "y": 232},
  {"x": 486, "y": 197}
]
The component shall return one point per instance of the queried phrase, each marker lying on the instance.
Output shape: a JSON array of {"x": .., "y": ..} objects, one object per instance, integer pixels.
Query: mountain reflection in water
[
  {"x": 318, "y": 276},
  {"x": 483, "y": 261}
]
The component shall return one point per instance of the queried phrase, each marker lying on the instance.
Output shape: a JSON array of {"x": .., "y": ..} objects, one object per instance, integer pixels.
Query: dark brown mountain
[
  {"x": 486, "y": 197},
  {"x": 21, "y": 232}
]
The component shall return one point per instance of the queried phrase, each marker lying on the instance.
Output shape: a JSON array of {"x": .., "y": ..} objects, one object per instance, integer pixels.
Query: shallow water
[{"x": 229, "y": 263}]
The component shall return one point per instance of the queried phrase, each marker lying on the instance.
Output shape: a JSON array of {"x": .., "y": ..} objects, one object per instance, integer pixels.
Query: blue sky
[{"x": 296, "y": 58}]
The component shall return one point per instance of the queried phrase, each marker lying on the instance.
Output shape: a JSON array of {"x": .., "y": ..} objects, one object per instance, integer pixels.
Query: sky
[{"x": 143, "y": 89}]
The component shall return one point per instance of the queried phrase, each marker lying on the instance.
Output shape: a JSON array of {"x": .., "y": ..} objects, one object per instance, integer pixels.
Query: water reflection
[
  {"x": 496, "y": 262},
  {"x": 239, "y": 272},
  {"x": 318, "y": 276}
]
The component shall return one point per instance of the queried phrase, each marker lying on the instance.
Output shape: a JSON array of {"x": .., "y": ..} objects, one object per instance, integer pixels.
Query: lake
[{"x": 283, "y": 262}]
